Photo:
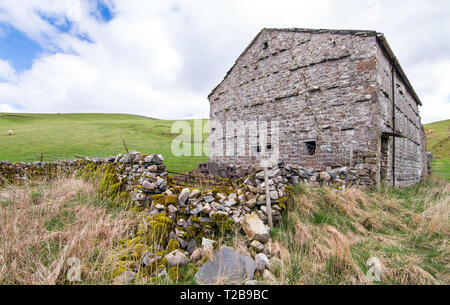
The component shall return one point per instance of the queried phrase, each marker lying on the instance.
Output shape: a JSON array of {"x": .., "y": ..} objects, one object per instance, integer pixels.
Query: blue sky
[
  {"x": 17, "y": 48},
  {"x": 20, "y": 51},
  {"x": 162, "y": 58}
]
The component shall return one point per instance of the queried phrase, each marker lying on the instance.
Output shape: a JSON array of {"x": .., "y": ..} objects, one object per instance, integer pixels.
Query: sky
[{"x": 161, "y": 58}]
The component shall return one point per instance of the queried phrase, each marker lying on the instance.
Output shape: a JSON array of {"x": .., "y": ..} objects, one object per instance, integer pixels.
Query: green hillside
[
  {"x": 62, "y": 136},
  {"x": 438, "y": 139},
  {"x": 438, "y": 142}
]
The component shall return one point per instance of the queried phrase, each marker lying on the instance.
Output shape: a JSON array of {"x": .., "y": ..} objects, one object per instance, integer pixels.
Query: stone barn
[{"x": 340, "y": 98}]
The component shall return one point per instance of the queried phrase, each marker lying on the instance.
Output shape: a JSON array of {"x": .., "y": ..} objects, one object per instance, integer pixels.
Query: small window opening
[
  {"x": 311, "y": 148},
  {"x": 265, "y": 45},
  {"x": 269, "y": 146},
  {"x": 258, "y": 148}
]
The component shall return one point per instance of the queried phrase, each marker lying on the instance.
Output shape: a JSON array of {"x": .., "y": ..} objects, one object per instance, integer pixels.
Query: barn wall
[
  {"x": 319, "y": 87},
  {"x": 410, "y": 151}
]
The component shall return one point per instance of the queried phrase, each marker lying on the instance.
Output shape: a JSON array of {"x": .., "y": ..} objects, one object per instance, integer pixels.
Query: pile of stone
[{"x": 230, "y": 267}]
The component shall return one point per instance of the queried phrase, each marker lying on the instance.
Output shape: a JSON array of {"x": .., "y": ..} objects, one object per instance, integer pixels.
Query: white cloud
[
  {"x": 7, "y": 108},
  {"x": 162, "y": 58}
]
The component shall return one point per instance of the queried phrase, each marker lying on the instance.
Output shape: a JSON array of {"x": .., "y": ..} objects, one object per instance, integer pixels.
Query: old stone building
[{"x": 340, "y": 98}]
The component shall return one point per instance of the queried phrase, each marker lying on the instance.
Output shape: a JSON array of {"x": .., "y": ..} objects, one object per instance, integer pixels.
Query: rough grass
[
  {"x": 326, "y": 237},
  {"x": 43, "y": 225},
  {"x": 62, "y": 136},
  {"x": 332, "y": 234}
]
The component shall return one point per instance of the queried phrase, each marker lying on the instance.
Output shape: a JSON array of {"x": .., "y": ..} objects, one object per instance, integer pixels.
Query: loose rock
[
  {"x": 227, "y": 267},
  {"x": 176, "y": 258},
  {"x": 255, "y": 228}
]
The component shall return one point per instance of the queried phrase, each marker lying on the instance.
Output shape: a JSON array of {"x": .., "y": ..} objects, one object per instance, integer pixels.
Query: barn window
[{"x": 311, "y": 147}]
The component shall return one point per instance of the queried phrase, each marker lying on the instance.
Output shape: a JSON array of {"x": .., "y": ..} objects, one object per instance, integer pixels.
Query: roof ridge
[{"x": 318, "y": 31}]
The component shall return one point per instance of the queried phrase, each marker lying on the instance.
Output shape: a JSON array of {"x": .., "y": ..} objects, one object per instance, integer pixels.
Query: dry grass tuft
[
  {"x": 332, "y": 235},
  {"x": 44, "y": 224}
]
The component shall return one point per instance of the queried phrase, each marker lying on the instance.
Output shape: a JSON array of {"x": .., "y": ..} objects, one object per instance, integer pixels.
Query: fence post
[
  {"x": 42, "y": 157},
  {"x": 268, "y": 203},
  {"x": 125, "y": 145}
]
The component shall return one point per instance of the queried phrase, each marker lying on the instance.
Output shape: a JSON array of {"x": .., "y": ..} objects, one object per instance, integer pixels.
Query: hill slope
[
  {"x": 61, "y": 136},
  {"x": 438, "y": 139}
]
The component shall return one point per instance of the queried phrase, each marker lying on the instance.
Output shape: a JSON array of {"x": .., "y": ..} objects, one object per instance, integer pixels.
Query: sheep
[{"x": 10, "y": 132}]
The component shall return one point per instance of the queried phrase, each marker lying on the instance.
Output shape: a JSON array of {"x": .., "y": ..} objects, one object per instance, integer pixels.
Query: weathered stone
[
  {"x": 172, "y": 209},
  {"x": 227, "y": 267},
  {"x": 127, "y": 159},
  {"x": 153, "y": 168},
  {"x": 251, "y": 203},
  {"x": 208, "y": 199},
  {"x": 274, "y": 195},
  {"x": 194, "y": 194},
  {"x": 192, "y": 246},
  {"x": 258, "y": 246},
  {"x": 176, "y": 258},
  {"x": 183, "y": 197},
  {"x": 148, "y": 186},
  {"x": 255, "y": 228},
  {"x": 207, "y": 242},
  {"x": 262, "y": 261}
]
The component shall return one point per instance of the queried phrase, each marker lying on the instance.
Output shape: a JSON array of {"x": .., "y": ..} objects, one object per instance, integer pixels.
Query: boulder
[
  {"x": 176, "y": 258},
  {"x": 227, "y": 267},
  {"x": 255, "y": 228}
]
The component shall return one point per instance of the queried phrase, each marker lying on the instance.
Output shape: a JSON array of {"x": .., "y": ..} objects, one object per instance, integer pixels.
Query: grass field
[
  {"x": 61, "y": 136},
  {"x": 438, "y": 142}
]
